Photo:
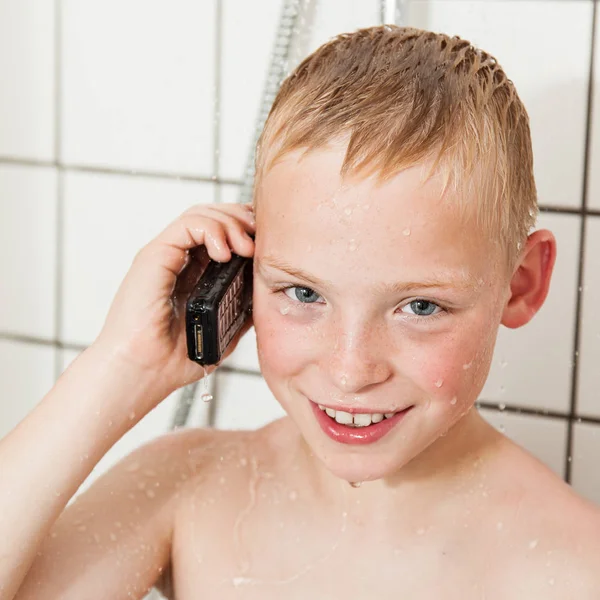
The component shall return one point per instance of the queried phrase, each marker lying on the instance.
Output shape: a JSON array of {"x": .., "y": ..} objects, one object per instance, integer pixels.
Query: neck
[{"x": 433, "y": 477}]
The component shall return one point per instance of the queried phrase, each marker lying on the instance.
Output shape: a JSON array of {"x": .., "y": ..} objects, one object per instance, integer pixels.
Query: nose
[{"x": 360, "y": 357}]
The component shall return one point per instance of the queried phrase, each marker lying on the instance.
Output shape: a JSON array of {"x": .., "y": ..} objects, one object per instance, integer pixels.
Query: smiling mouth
[{"x": 356, "y": 419}]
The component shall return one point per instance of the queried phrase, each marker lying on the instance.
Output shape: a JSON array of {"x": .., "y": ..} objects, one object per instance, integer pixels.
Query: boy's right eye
[{"x": 303, "y": 295}]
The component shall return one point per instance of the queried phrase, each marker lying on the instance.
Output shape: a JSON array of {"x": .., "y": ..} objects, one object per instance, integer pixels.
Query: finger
[
  {"x": 241, "y": 211},
  {"x": 238, "y": 237},
  {"x": 190, "y": 231}
]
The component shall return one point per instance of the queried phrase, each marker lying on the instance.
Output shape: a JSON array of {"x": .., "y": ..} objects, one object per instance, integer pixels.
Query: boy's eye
[
  {"x": 423, "y": 308},
  {"x": 302, "y": 294}
]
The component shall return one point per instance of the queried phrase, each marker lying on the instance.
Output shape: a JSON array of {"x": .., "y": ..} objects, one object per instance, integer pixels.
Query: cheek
[
  {"x": 283, "y": 346},
  {"x": 454, "y": 367}
]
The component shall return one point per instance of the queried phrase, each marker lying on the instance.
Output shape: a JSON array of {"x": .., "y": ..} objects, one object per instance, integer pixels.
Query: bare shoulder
[{"x": 554, "y": 540}]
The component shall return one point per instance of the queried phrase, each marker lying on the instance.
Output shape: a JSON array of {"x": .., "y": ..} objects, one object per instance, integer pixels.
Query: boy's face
[{"x": 398, "y": 307}]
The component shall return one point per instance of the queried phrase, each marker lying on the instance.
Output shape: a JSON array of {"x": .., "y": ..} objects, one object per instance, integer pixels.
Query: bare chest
[{"x": 274, "y": 556}]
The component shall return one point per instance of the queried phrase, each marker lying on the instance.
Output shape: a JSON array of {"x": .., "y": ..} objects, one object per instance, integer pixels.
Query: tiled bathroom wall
[{"x": 116, "y": 116}]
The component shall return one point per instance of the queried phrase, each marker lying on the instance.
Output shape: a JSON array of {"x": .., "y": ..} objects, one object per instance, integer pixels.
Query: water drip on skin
[
  {"x": 243, "y": 578},
  {"x": 406, "y": 232},
  {"x": 453, "y": 401},
  {"x": 355, "y": 484},
  {"x": 284, "y": 310},
  {"x": 439, "y": 383},
  {"x": 352, "y": 245}
]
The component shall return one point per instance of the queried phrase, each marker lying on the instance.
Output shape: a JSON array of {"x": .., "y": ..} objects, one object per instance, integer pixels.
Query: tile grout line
[
  {"x": 582, "y": 243},
  {"x": 213, "y": 406},
  {"x": 217, "y": 98},
  {"x": 136, "y": 173},
  {"x": 123, "y": 172},
  {"x": 59, "y": 242},
  {"x": 480, "y": 403}
]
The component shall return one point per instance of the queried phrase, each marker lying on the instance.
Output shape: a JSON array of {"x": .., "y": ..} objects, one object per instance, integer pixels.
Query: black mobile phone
[{"x": 217, "y": 308}]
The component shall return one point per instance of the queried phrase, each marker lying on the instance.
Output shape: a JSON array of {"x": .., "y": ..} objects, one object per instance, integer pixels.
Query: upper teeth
[{"x": 356, "y": 419}]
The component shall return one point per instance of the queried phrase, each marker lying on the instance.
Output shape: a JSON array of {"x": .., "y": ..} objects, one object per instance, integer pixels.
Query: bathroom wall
[{"x": 116, "y": 116}]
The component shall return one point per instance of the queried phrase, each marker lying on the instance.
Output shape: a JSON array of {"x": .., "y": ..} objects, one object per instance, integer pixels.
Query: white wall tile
[
  {"x": 244, "y": 73},
  {"x": 550, "y": 76},
  {"x": 585, "y": 475},
  {"x": 532, "y": 365},
  {"x": 544, "y": 437},
  {"x": 329, "y": 18},
  {"x": 26, "y": 376},
  {"x": 594, "y": 171},
  {"x": 107, "y": 220},
  {"x": 138, "y": 84},
  {"x": 27, "y": 77},
  {"x": 156, "y": 423},
  {"x": 588, "y": 401},
  {"x": 245, "y": 402},
  {"x": 28, "y": 249},
  {"x": 230, "y": 193},
  {"x": 248, "y": 38}
]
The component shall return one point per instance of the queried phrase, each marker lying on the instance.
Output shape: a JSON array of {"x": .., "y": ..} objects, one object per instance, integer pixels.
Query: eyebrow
[{"x": 462, "y": 282}]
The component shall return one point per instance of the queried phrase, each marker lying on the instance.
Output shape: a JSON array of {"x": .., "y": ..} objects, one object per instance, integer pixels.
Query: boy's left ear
[{"x": 531, "y": 280}]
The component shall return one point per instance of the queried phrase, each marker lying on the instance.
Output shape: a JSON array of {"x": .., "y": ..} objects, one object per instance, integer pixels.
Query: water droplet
[
  {"x": 343, "y": 380},
  {"x": 284, "y": 310},
  {"x": 352, "y": 246},
  {"x": 453, "y": 401},
  {"x": 406, "y": 232},
  {"x": 222, "y": 480},
  {"x": 206, "y": 397},
  {"x": 113, "y": 537},
  {"x": 499, "y": 525},
  {"x": 355, "y": 484},
  {"x": 551, "y": 581},
  {"x": 150, "y": 493},
  {"x": 439, "y": 383},
  {"x": 97, "y": 538},
  {"x": 467, "y": 365},
  {"x": 134, "y": 466},
  {"x": 131, "y": 415},
  {"x": 420, "y": 531},
  {"x": 348, "y": 211},
  {"x": 243, "y": 461},
  {"x": 501, "y": 428},
  {"x": 501, "y": 406},
  {"x": 293, "y": 495},
  {"x": 533, "y": 544}
]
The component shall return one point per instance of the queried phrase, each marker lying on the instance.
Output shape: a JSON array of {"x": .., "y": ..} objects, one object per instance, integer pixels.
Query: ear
[{"x": 531, "y": 280}]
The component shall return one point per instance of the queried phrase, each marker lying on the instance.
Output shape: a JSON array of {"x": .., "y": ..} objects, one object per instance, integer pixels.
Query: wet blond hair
[{"x": 401, "y": 96}]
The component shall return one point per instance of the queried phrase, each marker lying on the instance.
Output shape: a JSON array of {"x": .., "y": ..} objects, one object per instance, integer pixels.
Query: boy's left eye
[
  {"x": 423, "y": 308},
  {"x": 303, "y": 295}
]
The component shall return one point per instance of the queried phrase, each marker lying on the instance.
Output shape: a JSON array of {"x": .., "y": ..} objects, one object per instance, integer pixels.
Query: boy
[{"x": 394, "y": 198}]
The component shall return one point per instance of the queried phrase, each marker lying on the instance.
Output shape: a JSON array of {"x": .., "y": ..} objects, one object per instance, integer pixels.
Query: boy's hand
[{"x": 145, "y": 326}]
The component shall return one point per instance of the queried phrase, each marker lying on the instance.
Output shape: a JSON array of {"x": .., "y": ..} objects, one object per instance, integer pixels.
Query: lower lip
[{"x": 356, "y": 435}]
